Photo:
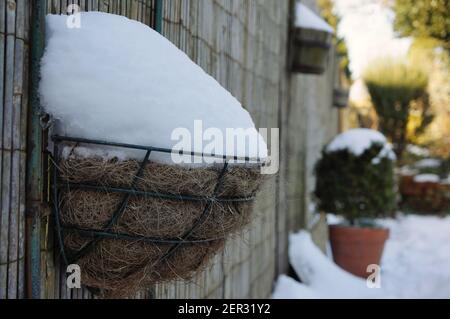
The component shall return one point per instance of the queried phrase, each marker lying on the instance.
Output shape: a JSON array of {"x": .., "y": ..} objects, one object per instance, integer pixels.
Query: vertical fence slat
[
  {"x": 15, "y": 220},
  {"x": 13, "y": 77},
  {"x": 6, "y": 221},
  {"x": 34, "y": 183},
  {"x": 25, "y": 9},
  {"x": 3, "y": 235}
]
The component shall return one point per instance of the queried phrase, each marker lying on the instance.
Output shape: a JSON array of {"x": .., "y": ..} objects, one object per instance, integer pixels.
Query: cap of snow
[
  {"x": 117, "y": 79},
  {"x": 428, "y": 163},
  {"x": 308, "y": 19},
  {"x": 426, "y": 178},
  {"x": 359, "y": 140}
]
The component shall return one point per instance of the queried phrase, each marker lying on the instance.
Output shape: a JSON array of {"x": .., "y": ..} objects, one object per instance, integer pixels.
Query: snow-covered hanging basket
[
  {"x": 340, "y": 97},
  {"x": 125, "y": 211},
  {"x": 129, "y": 224},
  {"x": 312, "y": 40}
]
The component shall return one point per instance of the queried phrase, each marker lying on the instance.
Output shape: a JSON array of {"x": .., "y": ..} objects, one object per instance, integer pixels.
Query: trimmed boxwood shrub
[{"x": 357, "y": 187}]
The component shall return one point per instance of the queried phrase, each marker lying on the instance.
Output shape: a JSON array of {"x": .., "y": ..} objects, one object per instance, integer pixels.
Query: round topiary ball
[{"x": 355, "y": 176}]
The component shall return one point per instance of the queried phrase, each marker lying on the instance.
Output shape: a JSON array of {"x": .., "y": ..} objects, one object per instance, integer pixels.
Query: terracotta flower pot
[{"x": 354, "y": 248}]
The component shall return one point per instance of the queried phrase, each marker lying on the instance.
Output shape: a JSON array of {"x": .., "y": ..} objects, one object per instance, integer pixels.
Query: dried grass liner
[{"x": 119, "y": 267}]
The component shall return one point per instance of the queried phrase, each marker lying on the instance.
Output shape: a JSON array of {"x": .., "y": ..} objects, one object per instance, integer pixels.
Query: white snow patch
[
  {"x": 426, "y": 178},
  {"x": 117, "y": 79},
  {"x": 308, "y": 19},
  {"x": 416, "y": 258},
  {"x": 321, "y": 275},
  {"x": 415, "y": 264},
  {"x": 428, "y": 163},
  {"x": 407, "y": 171},
  {"x": 359, "y": 140},
  {"x": 417, "y": 150},
  {"x": 289, "y": 288}
]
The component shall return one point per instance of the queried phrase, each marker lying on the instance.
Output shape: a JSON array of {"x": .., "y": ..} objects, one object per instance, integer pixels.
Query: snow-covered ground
[
  {"x": 415, "y": 264},
  {"x": 416, "y": 260}
]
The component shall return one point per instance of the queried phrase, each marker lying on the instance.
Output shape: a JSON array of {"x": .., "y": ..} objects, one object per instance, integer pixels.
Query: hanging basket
[
  {"x": 130, "y": 224},
  {"x": 340, "y": 98},
  {"x": 310, "y": 50}
]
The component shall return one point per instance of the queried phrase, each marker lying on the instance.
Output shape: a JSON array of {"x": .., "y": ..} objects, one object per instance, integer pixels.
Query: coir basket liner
[{"x": 129, "y": 224}]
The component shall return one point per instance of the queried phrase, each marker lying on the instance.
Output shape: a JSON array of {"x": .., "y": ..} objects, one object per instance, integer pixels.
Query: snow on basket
[{"x": 127, "y": 211}]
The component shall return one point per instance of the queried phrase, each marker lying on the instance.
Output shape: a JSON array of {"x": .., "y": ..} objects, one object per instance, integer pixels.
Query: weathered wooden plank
[
  {"x": 3, "y": 215},
  {"x": 59, "y": 6},
  {"x": 4, "y": 239},
  {"x": 82, "y": 5},
  {"x": 56, "y": 273},
  {"x": 20, "y": 19},
  {"x": 65, "y": 6},
  {"x": 104, "y": 5},
  {"x": 21, "y": 222},
  {"x": 51, "y": 282},
  {"x": 86, "y": 294},
  {"x": 13, "y": 249},
  {"x": 7, "y": 144},
  {"x": 115, "y": 8},
  {"x": 64, "y": 293},
  {"x": 134, "y": 6},
  {"x": 2, "y": 17},
  {"x": 22, "y": 169}
]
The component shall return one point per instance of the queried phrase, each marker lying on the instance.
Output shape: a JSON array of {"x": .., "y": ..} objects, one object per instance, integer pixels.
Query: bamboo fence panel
[
  {"x": 14, "y": 46},
  {"x": 234, "y": 42},
  {"x": 242, "y": 44}
]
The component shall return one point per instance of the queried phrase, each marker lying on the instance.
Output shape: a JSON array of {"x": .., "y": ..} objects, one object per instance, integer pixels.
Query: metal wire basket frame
[{"x": 106, "y": 232}]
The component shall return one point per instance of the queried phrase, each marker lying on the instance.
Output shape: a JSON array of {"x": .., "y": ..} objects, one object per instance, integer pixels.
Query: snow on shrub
[
  {"x": 117, "y": 79},
  {"x": 355, "y": 176}
]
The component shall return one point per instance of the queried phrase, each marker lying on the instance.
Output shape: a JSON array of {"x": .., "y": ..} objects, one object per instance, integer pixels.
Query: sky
[{"x": 367, "y": 27}]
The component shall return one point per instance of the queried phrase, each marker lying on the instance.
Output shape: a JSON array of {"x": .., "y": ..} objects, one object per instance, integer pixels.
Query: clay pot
[{"x": 355, "y": 248}]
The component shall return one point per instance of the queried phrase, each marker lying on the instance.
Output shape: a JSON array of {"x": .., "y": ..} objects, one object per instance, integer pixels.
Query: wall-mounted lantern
[
  {"x": 340, "y": 97},
  {"x": 311, "y": 41}
]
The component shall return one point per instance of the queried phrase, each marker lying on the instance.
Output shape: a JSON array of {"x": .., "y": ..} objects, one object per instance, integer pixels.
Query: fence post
[
  {"x": 34, "y": 157},
  {"x": 158, "y": 15}
]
